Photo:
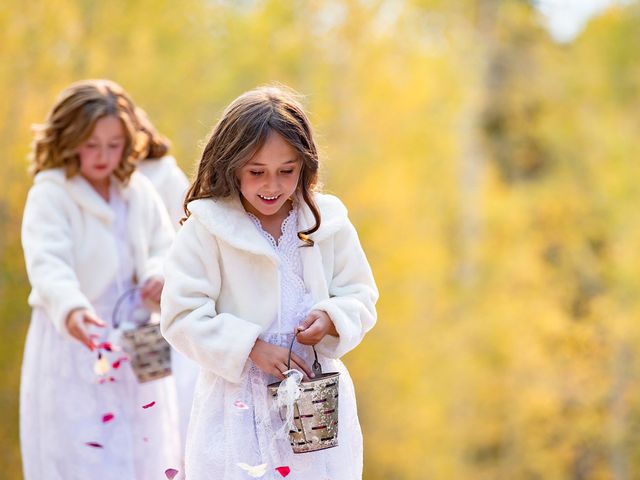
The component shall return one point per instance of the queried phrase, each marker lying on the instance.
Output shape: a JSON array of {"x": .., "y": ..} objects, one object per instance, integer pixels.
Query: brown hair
[
  {"x": 158, "y": 145},
  {"x": 241, "y": 132},
  {"x": 72, "y": 120}
]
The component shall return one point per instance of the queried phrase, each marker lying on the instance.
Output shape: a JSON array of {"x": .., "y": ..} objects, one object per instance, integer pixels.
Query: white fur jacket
[
  {"x": 69, "y": 249},
  {"x": 170, "y": 182},
  {"x": 222, "y": 286}
]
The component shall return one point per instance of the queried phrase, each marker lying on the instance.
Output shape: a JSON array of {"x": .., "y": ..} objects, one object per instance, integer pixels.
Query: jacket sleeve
[
  {"x": 159, "y": 232},
  {"x": 48, "y": 252},
  {"x": 352, "y": 295},
  {"x": 219, "y": 342},
  {"x": 174, "y": 195}
]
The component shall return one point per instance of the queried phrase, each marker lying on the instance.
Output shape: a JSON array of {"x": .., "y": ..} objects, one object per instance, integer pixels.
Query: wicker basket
[
  {"x": 149, "y": 353},
  {"x": 315, "y": 412}
]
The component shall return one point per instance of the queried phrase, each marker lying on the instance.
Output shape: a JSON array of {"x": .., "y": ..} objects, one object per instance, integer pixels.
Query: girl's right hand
[
  {"x": 273, "y": 360},
  {"x": 78, "y": 322}
]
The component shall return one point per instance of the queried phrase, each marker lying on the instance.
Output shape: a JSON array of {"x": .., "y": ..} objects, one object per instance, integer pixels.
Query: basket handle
[
  {"x": 116, "y": 308},
  {"x": 316, "y": 368}
]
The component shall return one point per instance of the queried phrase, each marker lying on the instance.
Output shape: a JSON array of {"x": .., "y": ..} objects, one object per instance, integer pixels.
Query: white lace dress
[
  {"x": 233, "y": 423},
  {"x": 63, "y": 402}
]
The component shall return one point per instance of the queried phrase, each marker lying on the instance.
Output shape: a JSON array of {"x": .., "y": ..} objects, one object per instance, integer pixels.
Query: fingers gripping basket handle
[
  {"x": 316, "y": 368},
  {"x": 116, "y": 309},
  {"x": 311, "y": 418}
]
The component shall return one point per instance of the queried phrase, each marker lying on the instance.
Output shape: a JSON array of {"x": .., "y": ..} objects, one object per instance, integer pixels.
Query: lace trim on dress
[
  {"x": 283, "y": 228},
  {"x": 294, "y": 298}
]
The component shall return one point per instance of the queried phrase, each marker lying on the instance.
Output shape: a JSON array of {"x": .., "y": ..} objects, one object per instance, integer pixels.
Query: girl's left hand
[
  {"x": 315, "y": 327},
  {"x": 150, "y": 293}
]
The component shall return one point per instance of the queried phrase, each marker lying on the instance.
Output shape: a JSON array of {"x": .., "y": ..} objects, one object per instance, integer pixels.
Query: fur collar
[
  {"x": 83, "y": 193},
  {"x": 227, "y": 219}
]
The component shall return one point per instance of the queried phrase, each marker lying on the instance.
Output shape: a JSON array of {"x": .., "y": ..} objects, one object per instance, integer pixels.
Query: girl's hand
[
  {"x": 78, "y": 322},
  {"x": 272, "y": 359},
  {"x": 150, "y": 293},
  {"x": 315, "y": 327}
]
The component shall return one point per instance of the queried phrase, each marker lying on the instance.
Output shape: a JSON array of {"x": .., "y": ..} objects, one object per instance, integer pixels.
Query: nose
[
  {"x": 102, "y": 153},
  {"x": 105, "y": 153},
  {"x": 273, "y": 183}
]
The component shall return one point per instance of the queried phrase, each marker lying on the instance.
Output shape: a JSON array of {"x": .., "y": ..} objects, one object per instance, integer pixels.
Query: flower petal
[
  {"x": 240, "y": 405},
  {"x": 171, "y": 473},
  {"x": 101, "y": 367},
  {"x": 107, "y": 417},
  {"x": 117, "y": 363},
  {"x": 94, "y": 444},
  {"x": 149, "y": 405},
  {"x": 254, "y": 471},
  {"x": 284, "y": 471},
  {"x": 105, "y": 346}
]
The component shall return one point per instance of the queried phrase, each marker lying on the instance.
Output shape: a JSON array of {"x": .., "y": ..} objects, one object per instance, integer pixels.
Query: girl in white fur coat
[
  {"x": 93, "y": 228},
  {"x": 262, "y": 258}
]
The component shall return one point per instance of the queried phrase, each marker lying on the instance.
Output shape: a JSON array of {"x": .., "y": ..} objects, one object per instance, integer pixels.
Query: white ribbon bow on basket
[{"x": 289, "y": 391}]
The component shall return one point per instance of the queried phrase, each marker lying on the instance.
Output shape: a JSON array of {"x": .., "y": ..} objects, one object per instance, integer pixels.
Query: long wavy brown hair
[
  {"x": 72, "y": 120},
  {"x": 158, "y": 145},
  {"x": 242, "y": 131}
]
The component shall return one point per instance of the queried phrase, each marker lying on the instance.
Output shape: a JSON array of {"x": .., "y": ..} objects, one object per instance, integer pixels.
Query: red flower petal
[
  {"x": 117, "y": 363},
  {"x": 149, "y": 405},
  {"x": 284, "y": 471},
  {"x": 171, "y": 473},
  {"x": 107, "y": 417},
  {"x": 105, "y": 346},
  {"x": 94, "y": 444}
]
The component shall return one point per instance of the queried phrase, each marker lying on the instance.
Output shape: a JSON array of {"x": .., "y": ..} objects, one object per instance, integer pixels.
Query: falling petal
[
  {"x": 106, "y": 379},
  {"x": 240, "y": 405},
  {"x": 171, "y": 473},
  {"x": 149, "y": 405},
  {"x": 101, "y": 367},
  {"x": 107, "y": 417},
  {"x": 94, "y": 444},
  {"x": 145, "y": 439},
  {"x": 255, "y": 472},
  {"x": 284, "y": 471},
  {"x": 117, "y": 363},
  {"x": 105, "y": 346}
]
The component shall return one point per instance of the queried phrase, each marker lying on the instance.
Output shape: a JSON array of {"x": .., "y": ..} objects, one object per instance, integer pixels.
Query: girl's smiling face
[
  {"x": 101, "y": 153},
  {"x": 270, "y": 178}
]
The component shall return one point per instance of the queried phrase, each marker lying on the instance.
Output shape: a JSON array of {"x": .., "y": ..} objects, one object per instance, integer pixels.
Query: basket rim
[
  {"x": 146, "y": 326},
  {"x": 324, "y": 376},
  {"x": 322, "y": 447}
]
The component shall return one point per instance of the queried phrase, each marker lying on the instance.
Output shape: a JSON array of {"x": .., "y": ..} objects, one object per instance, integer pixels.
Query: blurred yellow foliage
[{"x": 489, "y": 172}]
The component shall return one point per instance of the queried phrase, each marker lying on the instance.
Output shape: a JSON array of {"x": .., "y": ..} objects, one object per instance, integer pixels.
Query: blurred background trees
[{"x": 490, "y": 172}]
